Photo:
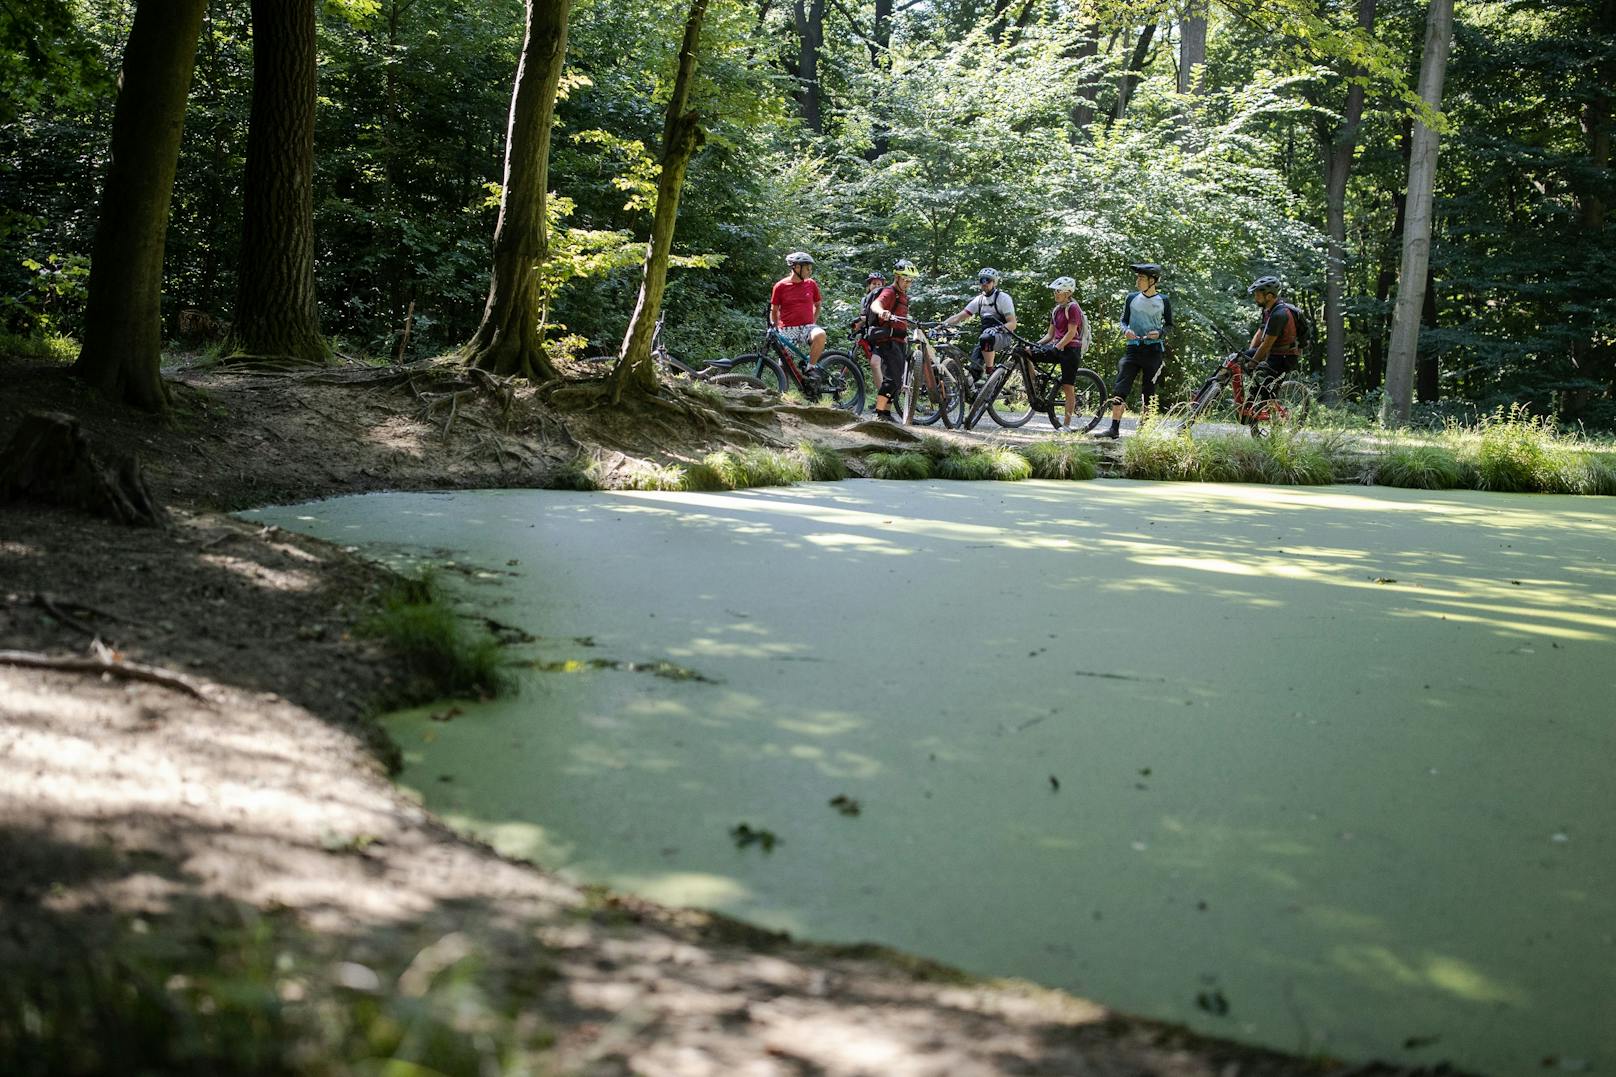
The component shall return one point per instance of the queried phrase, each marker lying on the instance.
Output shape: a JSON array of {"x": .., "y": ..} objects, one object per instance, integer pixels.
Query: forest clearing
[{"x": 544, "y": 537}]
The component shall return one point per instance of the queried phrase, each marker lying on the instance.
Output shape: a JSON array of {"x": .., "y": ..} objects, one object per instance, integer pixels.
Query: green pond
[{"x": 1325, "y": 769}]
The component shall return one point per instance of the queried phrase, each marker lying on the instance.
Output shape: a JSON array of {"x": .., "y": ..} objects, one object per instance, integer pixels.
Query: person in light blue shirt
[{"x": 1147, "y": 315}]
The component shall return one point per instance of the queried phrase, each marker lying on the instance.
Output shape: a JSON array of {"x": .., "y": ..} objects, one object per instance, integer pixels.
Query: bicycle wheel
[
  {"x": 1092, "y": 395},
  {"x": 984, "y": 398},
  {"x": 765, "y": 368},
  {"x": 1287, "y": 406},
  {"x": 928, "y": 394},
  {"x": 1011, "y": 404},
  {"x": 957, "y": 392},
  {"x": 903, "y": 404},
  {"x": 842, "y": 381}
]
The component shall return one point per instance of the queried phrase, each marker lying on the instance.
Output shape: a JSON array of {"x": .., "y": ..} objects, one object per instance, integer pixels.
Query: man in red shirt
[{"x": 794, "y": 305}]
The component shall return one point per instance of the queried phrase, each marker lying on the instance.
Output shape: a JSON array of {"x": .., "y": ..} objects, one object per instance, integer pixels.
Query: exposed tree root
[
  {"x": 50, "y": 460},
  {"x": 103, "y": 660}
]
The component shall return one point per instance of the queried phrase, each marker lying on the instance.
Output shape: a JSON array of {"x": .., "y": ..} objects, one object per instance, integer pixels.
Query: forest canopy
[{"x": 1042, "y": 137}]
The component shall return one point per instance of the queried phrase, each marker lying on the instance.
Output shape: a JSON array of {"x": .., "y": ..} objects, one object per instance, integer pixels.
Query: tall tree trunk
[
  {"x": 996, "y": 28},
  {"x": 507, "y": 342},
  {"x": 880, "y": 42},
  {"x": 1337, "y": 167},
  {"x": 681, "y": 137},
  {"x": 276, "y": 315},
  {"x": 1136, "y": 64},
  {"x": 809, "y": 18},
  {"x": 1087, "y": 94},
  {"x": 122, "y": 352},
  {"x": 1192, "y": 49},
  {"x": 1593, "y": 357},
  {"x": 1427, "y": 381},
  {"x": 1405, "y": 338}
]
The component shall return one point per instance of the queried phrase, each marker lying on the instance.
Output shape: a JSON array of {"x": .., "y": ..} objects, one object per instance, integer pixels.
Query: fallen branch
[{"x": 103, "y": 661}]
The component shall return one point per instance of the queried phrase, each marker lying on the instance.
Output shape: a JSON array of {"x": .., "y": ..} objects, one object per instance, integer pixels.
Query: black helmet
[
  {"x": 1264, "y": 284},
  {"x": 1149, "y": 269},
  {"x": 875, "y": 274}
]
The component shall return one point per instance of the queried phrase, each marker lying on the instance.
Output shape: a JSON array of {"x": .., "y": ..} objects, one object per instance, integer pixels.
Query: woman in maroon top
[
  {"x": 891, "y": 334},
  {"x": 1065, "y": 330}
]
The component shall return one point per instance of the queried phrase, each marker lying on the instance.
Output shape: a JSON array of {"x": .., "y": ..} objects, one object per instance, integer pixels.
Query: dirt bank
[{"x": 243, "y": 814}]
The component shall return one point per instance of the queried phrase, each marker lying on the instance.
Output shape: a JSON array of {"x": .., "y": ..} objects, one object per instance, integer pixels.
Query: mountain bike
[
  {"x": 781, "y": 365},
  {"x": 1023, "y": 383},
  {"x": 716, "y": 371},
  {"x": 929, "y": 388},
  {"x": 1222, "y": 397}
]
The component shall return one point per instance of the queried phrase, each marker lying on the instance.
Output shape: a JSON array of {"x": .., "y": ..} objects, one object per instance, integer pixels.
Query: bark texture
[
  {"x": 50, "y": 461},
  {"x": 1192, "y": 49},
  {"x": 122, "y": 350},
  {"x": 1340, "y": 146},
  {"x": 507, "y": 341},
  {"x": 681, "y": 137},
  {"x": 1406, "y": 315},
  {"x": 809, "y": 18},
  {"x": 276, "y": 315}
]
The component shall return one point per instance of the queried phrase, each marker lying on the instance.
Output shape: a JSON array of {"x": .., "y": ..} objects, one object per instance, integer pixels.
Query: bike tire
[
  {"x": 984, "y": 398},
  {"x": 957, "y": 399},
  {"x": 765, "y": 368},
  {"x": 929, "y": 394},
  {"x": 1011, "y": 405},
  {"x": 1288, "y": 406},
  {"x": 1092, "y": 396},
  {"x": 736, "y": 381},
  {"x": 841, "y": 380},
  {"x": 905, "y": 400}
]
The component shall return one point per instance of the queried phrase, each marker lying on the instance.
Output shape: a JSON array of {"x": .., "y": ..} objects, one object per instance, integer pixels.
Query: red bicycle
[{"x": 1224, "y": 397}]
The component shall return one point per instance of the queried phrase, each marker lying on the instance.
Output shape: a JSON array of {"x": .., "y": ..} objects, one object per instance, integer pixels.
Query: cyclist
[
  {"x": 1065, "y": 331},
  {"x": 1146, "y": 316},
  {"x": 998, "y": 313},
  {"x": 890, "y": 334},
  {"x": 794, "y": 305},
  {"x": 873, "y": 284},
  {"x": 1274, "y": 351}
]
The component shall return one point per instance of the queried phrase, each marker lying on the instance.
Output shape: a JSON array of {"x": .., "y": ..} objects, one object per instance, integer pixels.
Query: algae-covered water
[{"x": 1325, "y": 769}]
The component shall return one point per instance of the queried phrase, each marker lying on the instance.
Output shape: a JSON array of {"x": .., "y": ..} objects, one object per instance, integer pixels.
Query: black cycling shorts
[
  {"x": 893, "y": 355},
  {"x": 1070, "y": 359},
  {"x": 1139, "y": 359}
]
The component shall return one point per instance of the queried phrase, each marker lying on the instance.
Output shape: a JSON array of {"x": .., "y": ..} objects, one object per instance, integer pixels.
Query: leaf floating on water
[
  {"x": 1213, "y": 1002},
  {"x": 744, "y": 836},
  {"x": 1054, "y": 784},
  {"x": 1414, "y": 1043},
  {"x": 1384, "y": 579},
  {"x": 845, "y": 804}
]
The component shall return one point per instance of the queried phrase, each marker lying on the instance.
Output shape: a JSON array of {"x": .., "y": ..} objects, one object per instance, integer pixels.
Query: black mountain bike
[
  {"x": 1024, "y": 382},
  {"x": 781, "y": 365}
]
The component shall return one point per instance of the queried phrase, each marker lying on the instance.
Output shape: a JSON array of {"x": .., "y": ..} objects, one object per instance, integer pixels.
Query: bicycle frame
[
  {"x": 788, "y": 353},
  {"x": 1231, "y": 372}
]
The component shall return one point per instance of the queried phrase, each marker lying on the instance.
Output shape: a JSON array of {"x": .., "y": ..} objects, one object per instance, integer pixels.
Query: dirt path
[{"x": 144, "y": 829}]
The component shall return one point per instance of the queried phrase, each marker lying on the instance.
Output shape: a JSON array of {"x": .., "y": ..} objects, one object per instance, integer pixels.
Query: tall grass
[
  {"x": 1286, "y": 456},
  {"x": 416, "y": 620},
  {"x": 740, "y": 469},
  {"x": 822, "y": 464},
  {"x": 1061, "y": 457},
  {"x": 907, "y": 466},
  {"x": 1419, "y": 467}
]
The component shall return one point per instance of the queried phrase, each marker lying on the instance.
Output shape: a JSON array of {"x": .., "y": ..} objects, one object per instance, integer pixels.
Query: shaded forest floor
[{"x": 228, "y": 881}]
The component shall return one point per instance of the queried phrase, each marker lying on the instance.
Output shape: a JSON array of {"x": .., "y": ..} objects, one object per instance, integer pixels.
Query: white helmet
[
  {"x": 797, "y": 258},
  {"x": 1063, "y": 284}
]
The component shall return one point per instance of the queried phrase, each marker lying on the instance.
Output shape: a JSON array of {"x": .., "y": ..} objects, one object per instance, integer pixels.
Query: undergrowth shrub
[
  {"x": 1061, "y": 457},
  {"x": 583, "y": 472},
  {"x": 417, "y": 621},
  {"x": 908, "y": 466},
  {"x": 50, "y": 346},
  {"x": 1418, "y": 467},
  {"x": 1516, "y": 452},
  {"x": 822, "y": 464},
  {"x": 650, "y": 476},
  {"x": 1160, "y": 451},
  {"x": 1288, "y": 457},
  {"x": 739, "y": 469},
  {"x": 965, "y": 466}
]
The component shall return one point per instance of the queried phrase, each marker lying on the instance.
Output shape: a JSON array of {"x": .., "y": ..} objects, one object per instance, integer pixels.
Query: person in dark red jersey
[
  {"x": 890, "y": 335},
  {"x": 794, "y": 305}
]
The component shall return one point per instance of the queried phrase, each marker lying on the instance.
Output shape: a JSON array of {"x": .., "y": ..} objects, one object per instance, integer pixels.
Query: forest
[{"x": 1042, "y": 137}]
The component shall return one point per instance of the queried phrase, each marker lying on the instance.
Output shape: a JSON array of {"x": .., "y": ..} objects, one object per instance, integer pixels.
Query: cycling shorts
[
  {"x": 1140, "y": 360},
  {"x": 799, "y": 335}
]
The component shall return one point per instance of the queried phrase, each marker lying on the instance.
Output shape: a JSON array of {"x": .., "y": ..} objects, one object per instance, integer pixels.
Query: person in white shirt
[{"x": 998, "y": 313}]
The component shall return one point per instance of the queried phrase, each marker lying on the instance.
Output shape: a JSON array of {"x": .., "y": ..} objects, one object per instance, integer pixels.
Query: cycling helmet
[
  {"x": 797, "y": 258},
  {"x": 1149, "y": 269},
  {"x": 1063, "y": 284},
  {"x": 985, "y": 274},
  {"x": 903, "y": 267},
  {"x": 875, "y": 274},
  {"x": 1264, "y": 284}
]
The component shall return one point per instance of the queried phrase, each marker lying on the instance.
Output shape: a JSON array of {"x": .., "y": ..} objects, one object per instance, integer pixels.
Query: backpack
[
  {"x": 1304, "y": 328},
  {"x": 1085, "y": 335}
]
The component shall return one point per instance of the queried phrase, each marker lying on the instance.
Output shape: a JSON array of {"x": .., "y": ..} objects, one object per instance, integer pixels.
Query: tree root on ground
[
  {"x": 103, "y": 660},
  {"x": 50, "y": 460}
]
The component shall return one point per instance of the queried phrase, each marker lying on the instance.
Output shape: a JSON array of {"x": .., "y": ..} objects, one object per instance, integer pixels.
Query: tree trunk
[
  {"x": 1087, "y": 93},
  {"x": 880, "y": 42},
  {"x": 1594, "y": 357},
  {"x": 681, "y": 137},
  {"x": 809, "y": 18},
  {"x": 1338, "y": 154},
  {"x": 1192, "y": 49},
  {"x": 1131, "y": 74},
  {"x": 50, "y": 461},
  {"x": 122, "y": 352},
  {"x": 507, "y": 342},
  {"x": 276, "y": 316},
  {"x": 1405, "y": 338},
  {"x": 1427, "y": 383}
]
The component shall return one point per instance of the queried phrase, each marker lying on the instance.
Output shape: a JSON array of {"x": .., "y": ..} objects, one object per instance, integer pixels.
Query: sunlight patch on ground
[{"x": 680, "y": 888}]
